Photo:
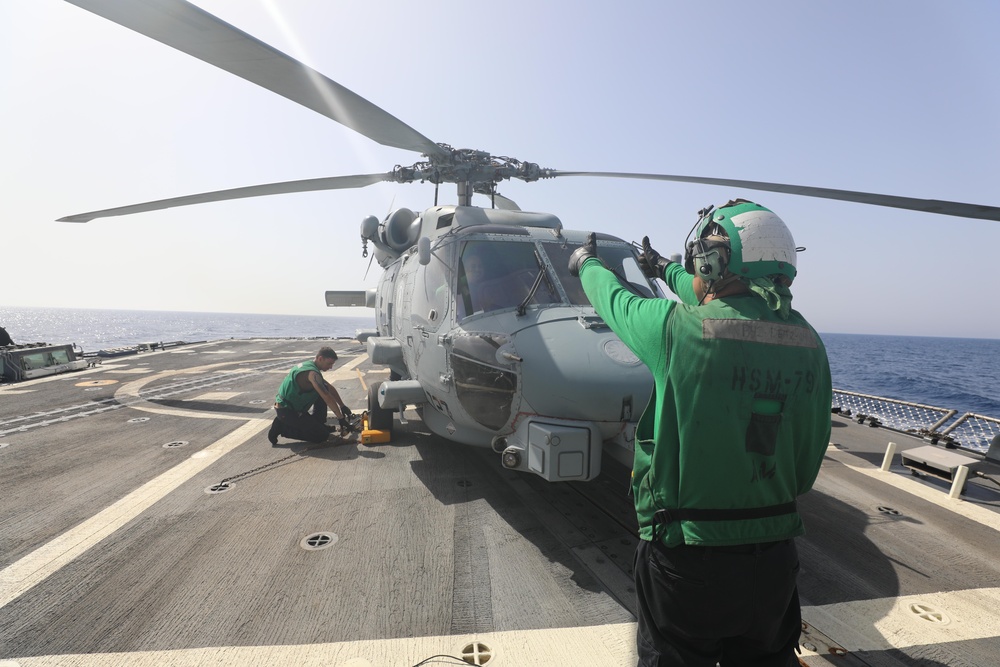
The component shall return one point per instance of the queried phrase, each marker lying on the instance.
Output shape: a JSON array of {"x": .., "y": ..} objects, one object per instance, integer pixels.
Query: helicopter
[{"x": 481, "y": 326}]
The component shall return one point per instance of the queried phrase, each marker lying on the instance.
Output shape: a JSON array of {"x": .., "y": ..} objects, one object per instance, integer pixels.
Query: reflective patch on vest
[{"x": 754, "y": 331}]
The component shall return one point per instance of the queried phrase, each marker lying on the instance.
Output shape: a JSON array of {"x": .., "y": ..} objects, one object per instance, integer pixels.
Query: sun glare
[{"x": 362, "y": 145}]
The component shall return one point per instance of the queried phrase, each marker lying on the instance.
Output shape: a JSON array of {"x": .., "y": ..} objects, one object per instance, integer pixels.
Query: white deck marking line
[
  {"x": 905, "y": 483},
  {"x": 131, "y": 390},
  {"x": 588, "y": 646},
  {"x": 34, "y": 568},
  {"x": 216, "y": 396},
  {"x": 343, "y": 372},
  {"x": 910, "y": 620}
]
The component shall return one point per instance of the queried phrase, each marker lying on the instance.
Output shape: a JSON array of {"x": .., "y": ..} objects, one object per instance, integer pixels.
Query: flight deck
[{"x": 147, "y": 520}]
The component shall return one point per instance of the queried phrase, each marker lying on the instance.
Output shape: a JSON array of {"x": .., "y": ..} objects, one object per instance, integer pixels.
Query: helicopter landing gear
[{"x": 379, "y": 418}]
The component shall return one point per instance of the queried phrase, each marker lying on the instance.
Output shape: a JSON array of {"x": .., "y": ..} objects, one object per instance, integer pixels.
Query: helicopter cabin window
[
  {"x": 494, "y": 275},
  {"x": 618, "y": 257}
]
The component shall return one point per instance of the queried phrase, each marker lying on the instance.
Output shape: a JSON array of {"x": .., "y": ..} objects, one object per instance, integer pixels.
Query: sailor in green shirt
[
  {"x": 735, "y": 430},
  {"x": 302, "y": 390}
]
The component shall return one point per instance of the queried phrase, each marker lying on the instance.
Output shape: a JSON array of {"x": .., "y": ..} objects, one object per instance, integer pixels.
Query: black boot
[{"x": 275, "y": 431}]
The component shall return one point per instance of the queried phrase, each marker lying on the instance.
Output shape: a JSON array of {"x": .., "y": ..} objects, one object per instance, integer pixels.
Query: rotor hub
[{"x": 479, "y": 169}]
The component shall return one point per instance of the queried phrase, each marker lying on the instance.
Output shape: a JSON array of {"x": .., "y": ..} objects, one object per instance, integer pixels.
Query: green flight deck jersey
[
  {"x": 739, "y": 419},
  {"x": 290, "y": 395}
]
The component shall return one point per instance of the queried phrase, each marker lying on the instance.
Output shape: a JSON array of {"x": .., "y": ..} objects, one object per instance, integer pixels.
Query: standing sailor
[
  {"x": 735, "y": 430},
  {"x": 303, "y": 389},
  {"x": 5, "y": 338}
]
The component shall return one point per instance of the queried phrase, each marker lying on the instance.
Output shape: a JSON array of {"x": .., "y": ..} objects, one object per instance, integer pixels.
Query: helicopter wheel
[{"x": 379, "y": 419}]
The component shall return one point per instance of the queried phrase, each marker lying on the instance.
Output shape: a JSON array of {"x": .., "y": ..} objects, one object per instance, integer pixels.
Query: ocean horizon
[{"x": 955, "y": 373}]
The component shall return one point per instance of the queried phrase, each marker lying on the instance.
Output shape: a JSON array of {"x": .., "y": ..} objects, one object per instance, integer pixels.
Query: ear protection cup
[
  {"x": 711, "y": 265},
  {"x": 707, "y": 258}
]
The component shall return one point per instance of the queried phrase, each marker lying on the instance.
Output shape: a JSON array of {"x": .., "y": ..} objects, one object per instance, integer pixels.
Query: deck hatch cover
[
  {"x": 221, "y": 487},
  {"x": 317, "y": 541},
  {"x": 929, "y": 613},
  {"x": 477, "y": 653}
]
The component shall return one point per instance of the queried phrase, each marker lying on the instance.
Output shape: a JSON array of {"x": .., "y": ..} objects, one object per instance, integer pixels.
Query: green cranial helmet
[{"x": 760, "y": 243}]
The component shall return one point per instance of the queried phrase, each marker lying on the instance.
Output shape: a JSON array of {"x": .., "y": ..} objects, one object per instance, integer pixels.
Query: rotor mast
[{"x": 465, "y": 193}]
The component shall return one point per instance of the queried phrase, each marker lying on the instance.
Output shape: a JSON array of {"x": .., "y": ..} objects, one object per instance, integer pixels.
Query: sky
[{"x": 895, "y": 97}]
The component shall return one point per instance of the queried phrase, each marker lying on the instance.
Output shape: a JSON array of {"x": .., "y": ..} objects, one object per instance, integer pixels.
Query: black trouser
[
  {"x": 733, "y": 605},
  {"x": 310, "y": 427}
]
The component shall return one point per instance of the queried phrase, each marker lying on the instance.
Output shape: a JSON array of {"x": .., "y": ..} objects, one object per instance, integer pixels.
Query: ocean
[{"x": 957, "y": 373}]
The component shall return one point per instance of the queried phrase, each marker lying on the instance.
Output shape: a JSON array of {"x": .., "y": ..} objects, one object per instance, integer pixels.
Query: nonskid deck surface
[
  {"x": 114, "y": 550},
  {"x": 114, "y": 553}
]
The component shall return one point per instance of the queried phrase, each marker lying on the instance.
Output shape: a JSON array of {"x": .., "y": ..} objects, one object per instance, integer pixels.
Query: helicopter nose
[{"x": 579, "y": 370}]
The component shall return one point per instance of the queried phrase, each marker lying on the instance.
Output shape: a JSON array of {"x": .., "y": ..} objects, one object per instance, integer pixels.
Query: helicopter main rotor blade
[
  {"x": 194, "y": 31},
  {"x": 309, "y": 185},
  {"x": 938, "y": 206}
]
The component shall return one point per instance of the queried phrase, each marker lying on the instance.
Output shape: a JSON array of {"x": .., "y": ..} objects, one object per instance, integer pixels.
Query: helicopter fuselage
[{"x": 484, "y": 330}]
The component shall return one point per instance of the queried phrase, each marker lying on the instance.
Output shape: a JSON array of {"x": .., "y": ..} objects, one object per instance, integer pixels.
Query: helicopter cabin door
[
  {"x": 403, "y": 302},
  {"x": 384, "y": 300}
]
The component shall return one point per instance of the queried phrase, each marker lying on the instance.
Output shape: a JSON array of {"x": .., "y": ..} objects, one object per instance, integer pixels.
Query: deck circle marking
[
  {"x": 175, "y": 443},
  {"x": 476, "y": 653},
  {"x": 929, "y": 613},
  {"x": 317, "y": 541},
  {"x": 138, "y": 420},
  {"x": 96, "y": 383},
  {"x": 216, "y": 489},
  {"x": 257, "y": 401}
]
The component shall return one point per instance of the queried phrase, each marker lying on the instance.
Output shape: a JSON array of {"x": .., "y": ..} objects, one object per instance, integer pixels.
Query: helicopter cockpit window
[
  {"x": 494, "y": 275},
  {"x": 619, "y": 258},
  {"x": 484, "y": 383}
]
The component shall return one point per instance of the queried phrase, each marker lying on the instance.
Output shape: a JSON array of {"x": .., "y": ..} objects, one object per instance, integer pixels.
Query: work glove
[
  {"x": 652, "y": 263},
  {"x": 347, "y": 411},
  {"x": 582, "y": 254},
  {"x": 344, "y": 424}
]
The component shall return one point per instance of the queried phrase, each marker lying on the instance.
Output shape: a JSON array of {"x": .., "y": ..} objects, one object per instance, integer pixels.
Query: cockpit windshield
[
  {"x": 495, "y": 274},
  {"x": 618, "y": 258},
  {"x": 500, "y": 274}
]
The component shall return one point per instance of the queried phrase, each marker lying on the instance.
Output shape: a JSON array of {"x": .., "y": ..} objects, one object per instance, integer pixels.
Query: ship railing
[
  {"x": 968, "y": 431},
  {"x": 980, "y": 430}
]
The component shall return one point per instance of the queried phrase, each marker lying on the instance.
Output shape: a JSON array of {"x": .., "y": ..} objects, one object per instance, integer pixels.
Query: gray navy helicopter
[{"x": 477, "y": 317}]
